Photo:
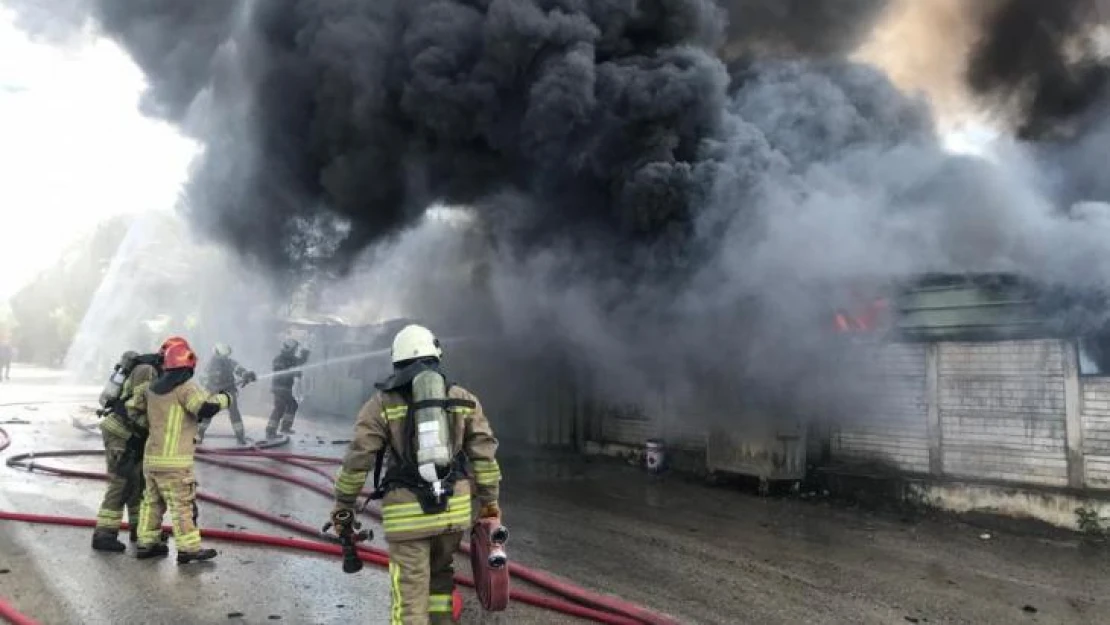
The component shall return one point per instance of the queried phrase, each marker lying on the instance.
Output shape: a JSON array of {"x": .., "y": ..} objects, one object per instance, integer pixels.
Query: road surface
[{"x": 700, "y": 554}]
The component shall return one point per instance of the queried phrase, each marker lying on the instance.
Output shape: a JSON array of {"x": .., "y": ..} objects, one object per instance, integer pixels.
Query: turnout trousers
[
  {"x": 125, "y": 489},
  {"x": 285, "y": 410},
  {"x": 421, "y": 579},
  {"x": 173, "y": 490}
]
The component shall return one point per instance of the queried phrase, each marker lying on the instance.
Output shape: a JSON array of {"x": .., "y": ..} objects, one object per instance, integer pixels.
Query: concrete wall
[
  {"x": 894, "y": 429},
  {"x": 1008, "y": 411},
  {"x": 1096, "y": 430},
  {"x": 1002, "y": 412}
]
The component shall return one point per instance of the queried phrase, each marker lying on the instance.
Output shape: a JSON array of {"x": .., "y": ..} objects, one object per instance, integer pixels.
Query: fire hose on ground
[{"x": 571, "y": 599}]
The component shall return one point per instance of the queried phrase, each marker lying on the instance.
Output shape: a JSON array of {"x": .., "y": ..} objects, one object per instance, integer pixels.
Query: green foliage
[{"x": 1090, "y": 523}]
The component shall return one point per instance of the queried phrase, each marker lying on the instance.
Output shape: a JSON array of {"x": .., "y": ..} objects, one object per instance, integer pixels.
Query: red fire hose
[
  {"x": 578, "y": 601},
  {"x": 492, "y": 587}
]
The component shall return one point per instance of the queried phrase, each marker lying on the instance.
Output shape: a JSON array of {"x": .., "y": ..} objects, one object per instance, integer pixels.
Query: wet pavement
[{"x": 701, "y": 554}]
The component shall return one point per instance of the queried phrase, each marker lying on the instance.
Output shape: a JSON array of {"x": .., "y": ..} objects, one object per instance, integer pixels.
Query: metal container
[
  {"x": 655, "y": 455},
  {"x": 770, "y": 453}
]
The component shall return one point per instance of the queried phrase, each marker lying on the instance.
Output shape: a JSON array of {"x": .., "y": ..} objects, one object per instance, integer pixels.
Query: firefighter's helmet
[
  {"x": 179, "y": 356},
  {"x": 414, "y": 342},
  {"x": 173, "y": 340},
  {"x": 222, "y": 349}
]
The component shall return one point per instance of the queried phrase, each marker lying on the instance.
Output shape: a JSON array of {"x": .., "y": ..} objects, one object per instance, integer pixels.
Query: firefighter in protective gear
[
  {"x": 285, "y": 405},
  {"x": 174, "y": 403},
  {"x": 124, "y": 434},
  {"x": 423, "y": 520},
  {"x": 223, "y": 375}
]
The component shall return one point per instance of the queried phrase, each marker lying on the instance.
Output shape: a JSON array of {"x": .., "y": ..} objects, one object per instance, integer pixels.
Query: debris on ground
[{"x": 1028, "y": 608}]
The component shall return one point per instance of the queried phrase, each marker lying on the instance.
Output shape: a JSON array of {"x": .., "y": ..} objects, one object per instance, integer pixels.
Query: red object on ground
[
  {"x": 10, "y": 614},
  {"x": 456, "y": 605},
  {"x": 491, "y": 584},
  {"x": 577, "y": 601}
]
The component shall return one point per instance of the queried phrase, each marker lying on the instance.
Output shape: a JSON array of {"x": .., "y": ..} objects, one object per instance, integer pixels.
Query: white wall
[
  {"x": 1002, "y": 411},
  {"x": 995, "y": 411},
  {"x": 1096, "y": 430},
  {"x": 894, "y": 430}
]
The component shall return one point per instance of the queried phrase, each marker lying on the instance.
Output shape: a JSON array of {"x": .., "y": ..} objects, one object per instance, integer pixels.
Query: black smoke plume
[
  {"x": 666, "y": 221},
  {"x": 1039, "y": 62}
]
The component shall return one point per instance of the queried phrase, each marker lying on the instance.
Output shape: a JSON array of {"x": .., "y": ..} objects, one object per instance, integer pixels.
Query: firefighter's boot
[
  {"x": 143, "y": 552},
  {"x": 185, "y": 557},
  {"x": 241, "y": 440},
  {"x": 133, "y": 534},
  {"x": 107, "y": 541},
  {"x": 271, "y": 433}
]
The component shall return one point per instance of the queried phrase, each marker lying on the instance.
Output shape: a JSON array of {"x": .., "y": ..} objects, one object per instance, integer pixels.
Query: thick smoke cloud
[
  {"x": 1040, "y": 61},
  {"x": 804, "y": 28},
  {"x": 670, "y": 222}
]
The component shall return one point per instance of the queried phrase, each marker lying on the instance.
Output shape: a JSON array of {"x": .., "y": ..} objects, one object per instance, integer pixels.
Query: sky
[{"x": 74, "y": 149}]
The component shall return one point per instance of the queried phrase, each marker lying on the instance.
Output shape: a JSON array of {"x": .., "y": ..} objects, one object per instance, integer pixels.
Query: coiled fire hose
[{"x": 575, "y": 600}]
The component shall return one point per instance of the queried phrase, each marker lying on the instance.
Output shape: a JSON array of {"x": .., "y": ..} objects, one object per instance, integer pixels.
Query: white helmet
[
  {"x": 222, "y": 349},
  {"x": 413, "y": 342}
]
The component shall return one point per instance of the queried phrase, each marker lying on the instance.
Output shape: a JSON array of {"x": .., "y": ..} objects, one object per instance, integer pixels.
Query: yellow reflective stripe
[
  {"x": 109, "y": 519},
  {"x": 431, "y": 521},
  {"x": 350, "y": 482},
  {"x": 395, "y": 615},
  {"x": 439, "y": 603},
  {"x": 147, "y": 536},
  {"x": 112, "y": 426},
  {"x": 168, "y": 462},
  {"x": 195, "y": 399},
  {"x": 413, "y": 509},
  {"x": 173, "y": 431},
  {"x": 487, "y": 472},
  {"x": 487, "y": 480},
  {"x": 189, "y": 541},
  {"x": 393, "y": 413},
  {"x": 463, "y": 410}
]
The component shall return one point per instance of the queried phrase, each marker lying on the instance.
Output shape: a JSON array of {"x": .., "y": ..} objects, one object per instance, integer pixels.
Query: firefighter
[
  {"x": 124, "y": 435},
  {"x": 426, "y": 492},
  {"x": 7, "y": 354},
  {"x": 174, "y": 404},
  {"x": 285, "y": 405},
  {"x": 225, "y": 375}
]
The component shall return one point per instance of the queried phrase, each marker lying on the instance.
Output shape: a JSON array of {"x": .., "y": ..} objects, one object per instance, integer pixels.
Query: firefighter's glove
[
  {"x": 490, "y": 511},
  {"x": 208, "y": 410}
]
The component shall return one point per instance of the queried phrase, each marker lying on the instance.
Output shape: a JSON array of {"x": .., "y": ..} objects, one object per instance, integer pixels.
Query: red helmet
[
  {"x": 172, "y": 341},
  {"x": 179, "y": 356}
]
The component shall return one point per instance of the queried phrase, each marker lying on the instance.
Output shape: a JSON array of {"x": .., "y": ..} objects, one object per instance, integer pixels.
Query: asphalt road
[{"x": 701, "y": 554}]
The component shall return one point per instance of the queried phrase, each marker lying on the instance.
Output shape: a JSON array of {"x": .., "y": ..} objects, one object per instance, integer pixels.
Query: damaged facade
[{"x": 983, "y": 400}]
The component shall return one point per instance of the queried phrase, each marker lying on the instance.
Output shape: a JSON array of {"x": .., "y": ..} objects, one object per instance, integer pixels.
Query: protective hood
[
  {"x": 170, "y": 380},
  {"x": 403, "y": 377}
]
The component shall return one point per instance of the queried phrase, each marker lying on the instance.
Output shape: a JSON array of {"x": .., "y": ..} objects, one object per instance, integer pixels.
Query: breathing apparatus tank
[
  {"x": 114, "y": 386},
  {"x": 433, "y": 429}
]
